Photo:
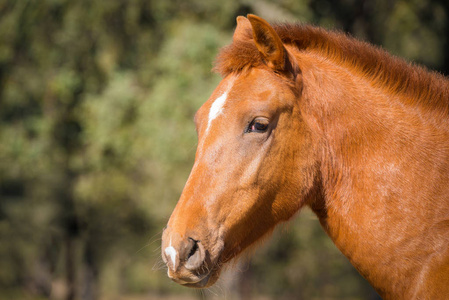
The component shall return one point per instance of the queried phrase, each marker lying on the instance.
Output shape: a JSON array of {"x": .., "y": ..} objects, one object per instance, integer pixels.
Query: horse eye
[{"x": 259, "y": 125}]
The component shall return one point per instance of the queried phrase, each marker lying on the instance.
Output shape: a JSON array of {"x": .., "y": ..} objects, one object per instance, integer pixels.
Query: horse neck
[{"x": 375, "y": 191}]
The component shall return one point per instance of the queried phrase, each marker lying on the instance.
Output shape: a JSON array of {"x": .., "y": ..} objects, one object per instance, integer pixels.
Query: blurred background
[{"x": 97, "y": 140}]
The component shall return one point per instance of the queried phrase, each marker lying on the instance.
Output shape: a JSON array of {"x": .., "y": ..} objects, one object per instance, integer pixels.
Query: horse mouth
[
  {"x": 205, "y": 281},
  {"x": 210, "y": 278}
]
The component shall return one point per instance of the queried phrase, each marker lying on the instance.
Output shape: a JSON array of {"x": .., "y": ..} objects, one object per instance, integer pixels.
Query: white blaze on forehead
[
  {"x": 170, "y": 251},
  {"x": 218, "y": 105}
]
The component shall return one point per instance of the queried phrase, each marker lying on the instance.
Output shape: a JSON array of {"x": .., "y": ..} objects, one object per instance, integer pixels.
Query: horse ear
[
  {"x": 242, "y": 29},
  {"x": 268, "y": 43}
]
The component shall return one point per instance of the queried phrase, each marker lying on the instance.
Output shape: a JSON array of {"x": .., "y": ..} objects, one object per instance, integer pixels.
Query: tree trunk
[{"x": 70, "y": 268}]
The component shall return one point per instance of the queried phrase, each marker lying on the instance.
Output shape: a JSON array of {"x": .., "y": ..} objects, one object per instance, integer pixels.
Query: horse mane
[{"x": 399, "y": 77}]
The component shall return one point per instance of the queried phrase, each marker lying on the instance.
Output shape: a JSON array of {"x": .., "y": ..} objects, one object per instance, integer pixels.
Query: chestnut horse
[{"x": 309, "y": 117}]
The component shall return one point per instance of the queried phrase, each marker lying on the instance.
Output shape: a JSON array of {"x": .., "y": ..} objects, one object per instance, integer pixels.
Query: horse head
[{"x": 254, "y": 165}]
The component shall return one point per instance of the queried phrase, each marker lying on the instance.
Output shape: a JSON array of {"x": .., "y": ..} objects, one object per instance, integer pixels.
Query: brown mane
[{"x": 415, "y": 83}]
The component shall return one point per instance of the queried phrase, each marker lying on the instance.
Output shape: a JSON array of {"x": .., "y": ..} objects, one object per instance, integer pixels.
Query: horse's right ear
[
  {"x": 269, "y": 44},
  {"x": 243, "y": 29}
]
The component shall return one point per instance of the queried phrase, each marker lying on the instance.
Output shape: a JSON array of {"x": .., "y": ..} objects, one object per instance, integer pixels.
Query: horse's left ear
[
  {"x": 269, "y": 44},
  {"x": 242, "y": 29}
]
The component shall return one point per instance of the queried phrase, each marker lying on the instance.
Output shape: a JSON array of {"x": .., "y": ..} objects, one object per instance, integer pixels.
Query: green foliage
[{"x": 97, "y": 100}]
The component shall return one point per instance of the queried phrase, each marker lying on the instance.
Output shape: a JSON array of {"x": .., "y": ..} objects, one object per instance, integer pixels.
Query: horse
[{"x": 309, "y": 117}]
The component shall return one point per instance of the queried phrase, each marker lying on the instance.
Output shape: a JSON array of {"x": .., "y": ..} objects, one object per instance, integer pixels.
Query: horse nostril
[
  {"x": 195, "y": 256},
  {"x": 193, "y": 249}
]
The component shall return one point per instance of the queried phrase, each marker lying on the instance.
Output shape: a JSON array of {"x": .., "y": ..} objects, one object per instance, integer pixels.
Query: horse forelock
[{"x": 239, "y": 56}]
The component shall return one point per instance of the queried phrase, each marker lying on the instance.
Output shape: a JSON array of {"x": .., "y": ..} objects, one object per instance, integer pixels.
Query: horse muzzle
[{"x": 188, "y": 261}]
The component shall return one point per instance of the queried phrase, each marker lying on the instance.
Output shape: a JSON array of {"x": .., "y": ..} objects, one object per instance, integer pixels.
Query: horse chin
[{"x": 206, "y": 282}]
